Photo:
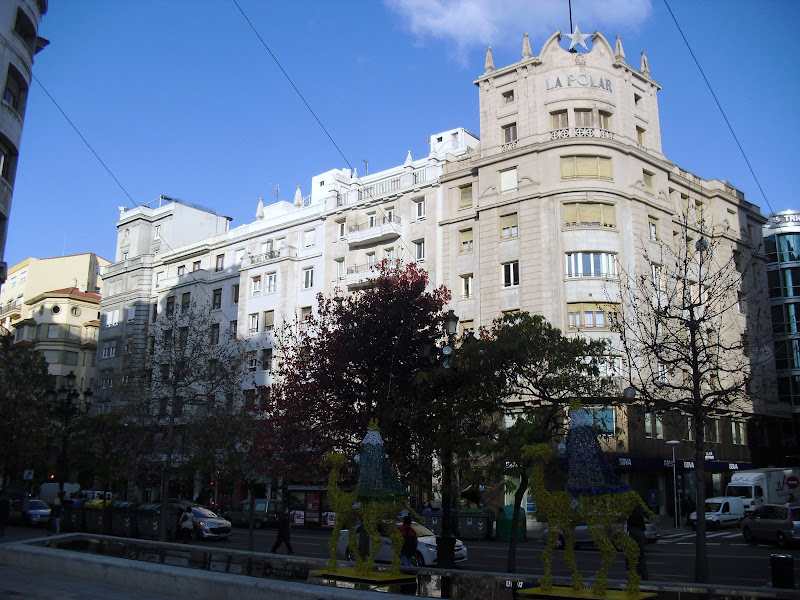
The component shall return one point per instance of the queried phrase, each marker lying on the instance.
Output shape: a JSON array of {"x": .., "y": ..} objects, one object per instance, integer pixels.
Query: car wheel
[
  {"x": 258, "y": 524},
  {"x": 560, "y": 542},
  {"x": 781, "y": 540},
  {"x": 350, "y": 555},
  {"x": 417, "y": 560},
  {"x": 748, "y": 535}
]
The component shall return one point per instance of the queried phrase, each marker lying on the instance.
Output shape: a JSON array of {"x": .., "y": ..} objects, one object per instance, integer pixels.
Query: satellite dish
[{"x": 447, "y": 350}]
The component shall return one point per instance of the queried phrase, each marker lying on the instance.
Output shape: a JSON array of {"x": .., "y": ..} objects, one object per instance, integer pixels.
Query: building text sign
[{"x": 581, "y": 79}]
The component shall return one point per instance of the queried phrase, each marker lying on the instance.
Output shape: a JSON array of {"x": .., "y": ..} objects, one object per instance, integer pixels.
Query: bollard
[{"x": 782, "y": 570}]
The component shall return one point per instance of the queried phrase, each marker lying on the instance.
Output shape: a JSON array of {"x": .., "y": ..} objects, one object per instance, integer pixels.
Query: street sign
[{"x": 792, "y": 481}]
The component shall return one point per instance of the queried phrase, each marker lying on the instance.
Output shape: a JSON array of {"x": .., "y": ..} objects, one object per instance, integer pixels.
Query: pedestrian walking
[
  {"x": 284, "y": 531},
  {"x": 187, "y": 524},
  {"x": 55, "y": 513},
  {"x": 636, "y": 527},
  {"x": 5, "y": 507},
  {"x": 690, "y": 508},
  {"x": 409, "y": 547}
]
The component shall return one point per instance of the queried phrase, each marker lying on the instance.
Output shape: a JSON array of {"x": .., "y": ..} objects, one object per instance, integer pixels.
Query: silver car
[
  {"x": 583, "y": 538},
  {"x": 29, "y": 511},
  {"x": 776, "y": 523},
  {"x": 426, "y": 555}
]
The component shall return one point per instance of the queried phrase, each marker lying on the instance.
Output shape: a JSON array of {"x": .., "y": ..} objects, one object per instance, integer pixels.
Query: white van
[{"x": 722, "y": 511}]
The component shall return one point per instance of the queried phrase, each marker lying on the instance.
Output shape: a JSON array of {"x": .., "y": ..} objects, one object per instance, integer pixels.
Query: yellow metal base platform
[
  {"x": 585, "y": 594},
  {"x": 371, "y": 577}
]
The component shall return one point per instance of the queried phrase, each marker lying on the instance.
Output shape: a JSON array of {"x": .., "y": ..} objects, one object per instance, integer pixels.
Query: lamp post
[
  {"x": 674, "y": 443},
  {"x": 66, "y": 403},
  {"x": 445, "y": 543}
]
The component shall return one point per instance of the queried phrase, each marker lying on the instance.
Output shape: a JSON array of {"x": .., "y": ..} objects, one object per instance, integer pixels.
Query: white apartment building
[{"x": 564, "y": 187}]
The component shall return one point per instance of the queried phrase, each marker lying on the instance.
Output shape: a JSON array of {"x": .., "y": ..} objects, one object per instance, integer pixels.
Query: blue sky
[{"x": 180, "y": 98}]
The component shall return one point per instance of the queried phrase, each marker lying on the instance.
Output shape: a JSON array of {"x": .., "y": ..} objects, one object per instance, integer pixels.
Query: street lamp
[
  {"x": 674, "y": 443},
  {"x": 445, "y": 543},
  {"x": 66, "y": 403}
]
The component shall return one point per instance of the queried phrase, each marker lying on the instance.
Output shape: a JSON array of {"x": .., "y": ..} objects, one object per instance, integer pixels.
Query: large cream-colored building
[
  {"x": 19, "y": 26},
  {"x": 561, "y": 192}
]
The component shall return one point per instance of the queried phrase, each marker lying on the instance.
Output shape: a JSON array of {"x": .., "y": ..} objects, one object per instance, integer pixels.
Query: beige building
[{"x": 19, "y": 25}]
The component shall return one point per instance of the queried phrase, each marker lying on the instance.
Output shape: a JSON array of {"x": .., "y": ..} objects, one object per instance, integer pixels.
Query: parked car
[
  {"x": 207, "y": 523},
  {"x": 584, "y": 538},
  {"x": 266, "y": 514},
  {"x": 776, "y": 523},
  {"x": 426, "y": 555},
  {"x": 29, "y": 511},
  {"x": 722, "y": 511}
]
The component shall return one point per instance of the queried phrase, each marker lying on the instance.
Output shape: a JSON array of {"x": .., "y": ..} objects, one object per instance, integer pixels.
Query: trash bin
[
  {"x": 475, "y": 524},
  {"x": 148, "y": 520},
  {"x": 504, "y": 520},
  {"x": 72, "y": 515},
  {"x": 94, "y": 516},
  {"x": 123, "y": 521},
  {"x": 782, "y": 566},
  {"x": 432, "y": 519}
]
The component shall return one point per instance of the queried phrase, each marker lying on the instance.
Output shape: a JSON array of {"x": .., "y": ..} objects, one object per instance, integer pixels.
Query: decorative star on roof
[{"x": 577, "y": 38}]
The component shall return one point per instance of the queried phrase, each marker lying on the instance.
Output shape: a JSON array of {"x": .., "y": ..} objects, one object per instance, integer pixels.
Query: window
[
  {"x": 183, "y": 337},
  {"x": 266, "y": 361},
  {"x": 159, "y": 278},
  {"x": 653, "y": 226},
  {"x": 342, "y": 228},
  {"x": 124, "y": 256},
  {"x": 235, "y": 293},
  {"x": 372, "y": 219},
  {"x": 591, "y": 264},
  {"x": 508, "y": 226},
  {"x": 655, "y": 273},
  {"x": 157, "y": 234},
  {"x": 131, "y": 312},
  {"x": 5, "y": 162},
  {"x": 508, "y": 97},
  {"x": 510, "y": 133},
  {"x": 196, "y": 265},
  {"x": 419, "y": 208},
  {"x": 14, "y": 90},
  {"x": 583, "y": 118},
  {"x": 689, "y": 428},
  {"x": 467, "y": 326},
  {"x": 419, "y": 249},
  {"x": 466, "y": 286},
  {"x": 23, "y": 277},
  {"x": 558, "y": 120},
  {"x": 308, "y": 278},
  {"x": 234, "y": 328},
  {"x": 647, "y": 178},
  {"x": 508, "y": 180},
  {"x": 511, "y": 274},
  {"x": 341, "y": 271},
  {"x": 170, "y": 306},
  {"x": 590, "y": 315},
  {"x": 465, "y": 238},
  {"x": 215, "y": 333},
  {"x": 272, "y": 282},
  {"x": 112, "y": 318},
  {"x": 388, "y": 254},
  {"x": 603, "y": 420},
  {"x": 654, "y": 426},
  {"x": 371, "y": 260},
  {"x": 605, "y": 120},
  {"x": 186, "y": 300},
  {"x": 465, "y": 196},
  {"x": 252, "y": 360},
  {"x": 220, "y": 262},
  {"x": 269, "y": 320},
  {"x": 52, "y": 331},
  {"x": 309, "y": 238},
  {"x": 181, "y": 270},
  {"x": 636, "y": 99},
  {"x": 738, "y": 433},
  {"x": 712, "y": 431},
  {"x": 585, "y": 167},
  {"x": 216, "y": 300},
  {"x": 305, "y": 313},
  {"x": 589, "y": 214},
  {"x": 74, "y": 332},
  {"x": 253, "y": 323},
  {"x": 109, "y": 349},
  {"x": 255, "y": 285}
]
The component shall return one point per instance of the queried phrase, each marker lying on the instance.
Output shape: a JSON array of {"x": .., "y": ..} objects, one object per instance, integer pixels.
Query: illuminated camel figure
[
  {"x": 604, "y": 503},
  {"x": 342, "y": 503},
  {"x": 561, "y": 517}
]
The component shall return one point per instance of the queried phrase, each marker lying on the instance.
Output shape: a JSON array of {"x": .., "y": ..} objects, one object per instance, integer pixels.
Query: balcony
[
  {"x": 594, "y": 132},
  {"x": 375, "y": 231},
  {"x": 272, "y": 256},
  {"x": 361, "y": 274},
  {"x": 262, "y": 378},
  {"x": 396, "y": 183}
]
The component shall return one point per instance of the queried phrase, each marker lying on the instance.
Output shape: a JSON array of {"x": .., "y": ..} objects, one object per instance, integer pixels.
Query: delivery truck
[{"x": 764, "y": 486}]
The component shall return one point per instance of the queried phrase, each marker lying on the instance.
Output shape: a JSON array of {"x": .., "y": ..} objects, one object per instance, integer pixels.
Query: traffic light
[{"x": 52, "y": 477}]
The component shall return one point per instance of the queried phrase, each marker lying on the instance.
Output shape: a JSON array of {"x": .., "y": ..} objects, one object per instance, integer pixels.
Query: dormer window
[{"x": 508, "y": 97}]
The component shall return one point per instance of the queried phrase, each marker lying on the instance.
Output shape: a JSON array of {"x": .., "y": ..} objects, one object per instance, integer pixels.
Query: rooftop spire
[
  {"x": 526, "y": 47},
  {"x": 298, "y": 197},
  {"x": 260, "y": 209},
  {"x": 619, "y": 53},
  {"x": 489, "y": 66},
  {"x": 645, "y": 68},
  {"x": 409, "y": 161}
]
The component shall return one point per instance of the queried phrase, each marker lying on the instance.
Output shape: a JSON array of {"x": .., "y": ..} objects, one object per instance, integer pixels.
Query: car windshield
[
  {"x": 203, "y": 512},
  {"x": 37, "y": 505},
  {"x": 421, "y": 530},
  {"x": 713, "y": 506}
]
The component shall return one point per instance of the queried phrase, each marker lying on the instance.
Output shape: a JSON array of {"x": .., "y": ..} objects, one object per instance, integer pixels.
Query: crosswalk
[{"x": 688, "y": 537}]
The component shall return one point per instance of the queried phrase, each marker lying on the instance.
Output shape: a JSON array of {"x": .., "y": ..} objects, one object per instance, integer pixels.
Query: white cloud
[{"x": 480, "y": 23}]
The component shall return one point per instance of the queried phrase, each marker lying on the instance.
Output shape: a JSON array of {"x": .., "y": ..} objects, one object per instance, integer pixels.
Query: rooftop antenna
[
  {"x": 366, "y": 166},
  {"x": 276, "y": 189}
]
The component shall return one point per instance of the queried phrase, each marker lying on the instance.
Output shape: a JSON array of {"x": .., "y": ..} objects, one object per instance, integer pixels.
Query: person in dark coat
[
  {"x": 284, "y": 531},
  {"x": 636, "y": 527},
  {"x": 690, "y": 508}
]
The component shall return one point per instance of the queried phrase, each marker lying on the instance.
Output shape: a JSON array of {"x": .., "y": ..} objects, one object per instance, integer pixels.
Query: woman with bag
[{"x": 187, "y": 524}]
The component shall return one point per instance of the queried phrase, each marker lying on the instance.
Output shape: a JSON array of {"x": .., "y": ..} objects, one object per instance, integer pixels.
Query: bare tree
[
  {"x": 190, "y": 372},
  {"x": 691, "y": 331}
]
